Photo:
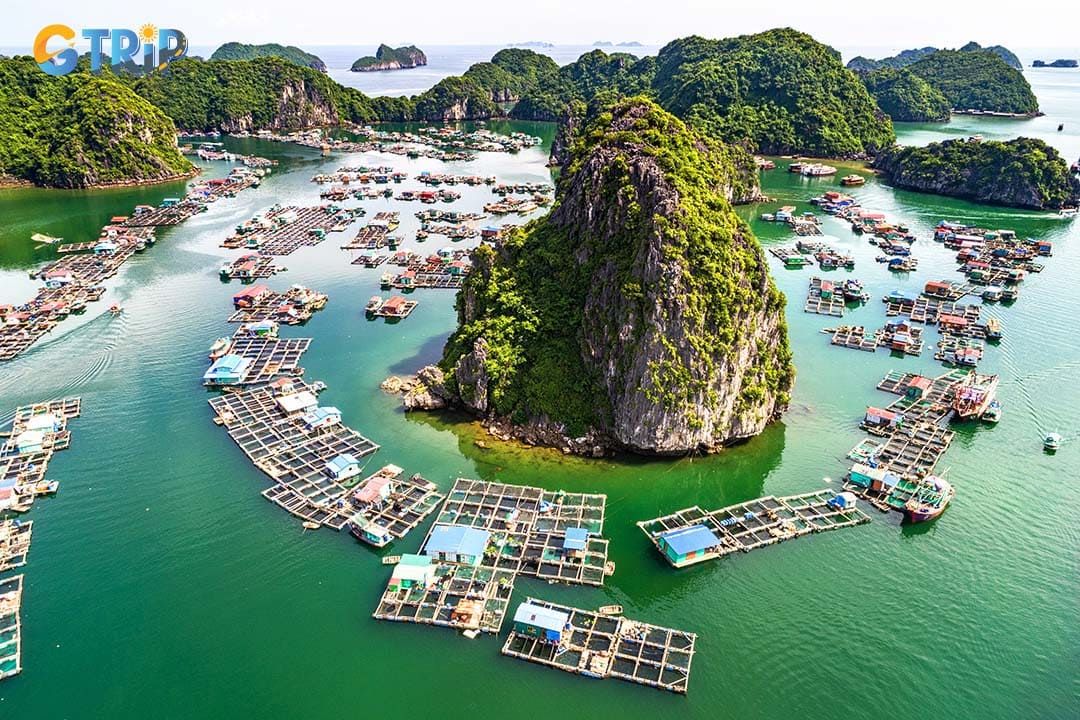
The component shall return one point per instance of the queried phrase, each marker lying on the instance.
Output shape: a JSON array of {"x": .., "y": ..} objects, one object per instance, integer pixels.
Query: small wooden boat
[
  {"x": 931, "y": 500},
  {"x": 610, "y": 610},
  {"x": 115, "y": 309},
  {"x": 1052, "y": 442},
  {"x": 992, "y": 414},
  {"x": 471, "y": 634},
  {"x": 220, "y": 348},
  {"x": 311, "y": 525},
  {"x": 852, "y": 180},
  {"x": 391, "y": 560},
  {"x": 373, "y": 305},
  {"x": 45, "y": 239},
  {"x": 46, "y": 487}
]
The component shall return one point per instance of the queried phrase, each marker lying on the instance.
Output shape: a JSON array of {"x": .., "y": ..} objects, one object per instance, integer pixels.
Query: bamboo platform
[
  {"x": 263, "y": 267},
  {"x": 370, "y": 261},
  {"x": 270, "y": 357},
  {"x": 603, "y": 646},
  {"x": 410, "y": 502},
  {"x": 292, "y": 455},
  {"x": 912, "y": 451},
  {"x": 853, "y": 337},
  {"x": 787, "y": 255},
  {"x": 484, "y": 591},
  {"x": 308, "y": 229},
  {"x": 929, "y": 311},
  {"x": 10, "y": 626},
  {"x": 15, "y": 539},
  {"x": 934, "y": 406},
  {"x": 754, "y": 524},
  {"x": 815, "y": 303}
]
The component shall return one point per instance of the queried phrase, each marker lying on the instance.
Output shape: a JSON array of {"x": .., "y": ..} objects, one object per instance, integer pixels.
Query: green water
[{"x": 161, "y": 585}]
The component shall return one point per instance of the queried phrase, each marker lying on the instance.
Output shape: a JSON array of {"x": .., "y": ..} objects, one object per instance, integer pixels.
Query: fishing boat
[
  {"x": 610, "y": 610},
  {"x": 471, "y": 634},
  {"x": 993, "y": 329},
  {"x": 930, "y": 501},
  {"x": 386, "y": 280},
  {"x": 818, "y": 170},
  {"x": 993, "y": 412},
  {"x": 768, "y": 217},
  {"x": 115, "y": 309},
  {"x": 220, "y": 348},
  {"x": 852, "y": 180},
  {"x": 373, "y": 305},
  {"x": 853, "y": 290},
  {"x": 795, "y": 167},
  {"x": 45, "y": 239},
  {"x": 1068, "y": 212},
  {"x": 311, "y": 525},
  {"x": 1052, "y": 442},
  {"x": 973, "y": 396}
]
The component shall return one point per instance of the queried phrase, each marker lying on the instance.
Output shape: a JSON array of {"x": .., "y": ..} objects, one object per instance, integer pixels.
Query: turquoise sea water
[{"x": 161, "y": 585}]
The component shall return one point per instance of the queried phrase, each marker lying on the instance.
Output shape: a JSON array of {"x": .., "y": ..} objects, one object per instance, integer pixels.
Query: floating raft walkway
[
  {"x": 693, "y": 535},
  {"x": 10, "y": 626},
  {"x": 601, "y": 646},
  {"x": 929, "y": 311},
  {"x": 292, "y": 228},
  {"x": 285, "y": 434},
  {"x": 292, "y": 307},
  {"x": 251, "y": 267},
  {"x": 854, "y": 337},
  {"x": 911, "y": 451},
  {"x": 36, "y": 432},
  {"x": 830, "y": 302},
  {"x": 15, "y": 539},
  {"x": 387, "y": 506},
  {"x": 923, "y": 399},
  {"x": 268, "y": 358},
  {"x": 510, "y": 530}
]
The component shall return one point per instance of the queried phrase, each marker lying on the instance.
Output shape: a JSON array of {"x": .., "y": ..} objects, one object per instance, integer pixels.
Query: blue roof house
[
  {"x": 540, "y": 622},
  {"x": 343, "y": 467},
  {"x": 688, "y": 545},
  {"x": 227, "y": 370},
  {"x": 322, "y": 417},
  {"x": 575, "y": 540},
  {"x": 457, "y": 544}
]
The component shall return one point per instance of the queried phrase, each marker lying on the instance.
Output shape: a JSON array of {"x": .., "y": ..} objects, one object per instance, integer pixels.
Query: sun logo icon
[{"x": 148, "y": 33}]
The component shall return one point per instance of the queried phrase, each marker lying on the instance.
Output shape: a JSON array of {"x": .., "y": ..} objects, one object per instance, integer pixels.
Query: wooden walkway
[
  {"x": 10, "y": 626},
  {"x": 754, "y": 524},
  {"x": 603, "y": 646},
  {"x": 15, "y": 539}
]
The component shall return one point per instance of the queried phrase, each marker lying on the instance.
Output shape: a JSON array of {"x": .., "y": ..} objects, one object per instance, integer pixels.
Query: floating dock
[
  {"x": 484, "y": 536},
  {"x": 10, "y": 626},
  {"x": 284, "y": 230},
  {"x": 292, "y": 307},
  {"x": 911, "y": 451},
  {"x": 853, "y": 337},
  {"x": 694, "y": 535},
  {"x": 824, "y": 298},
  {"x": 15, "y": 539},
  {"x": 248, "y": 268},
  {"x": 264, "y": 359},
  {"x": 922, "y": 399},
  {"x": 387, "y": 505},
  {"x": 37, "y": 431},
  {"x": 585, "y": 642},
  {"x": 285, "y": 433}
]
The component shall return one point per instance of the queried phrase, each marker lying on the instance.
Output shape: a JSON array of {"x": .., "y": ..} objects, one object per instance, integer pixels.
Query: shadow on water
[{"x": 428, "y": 354}]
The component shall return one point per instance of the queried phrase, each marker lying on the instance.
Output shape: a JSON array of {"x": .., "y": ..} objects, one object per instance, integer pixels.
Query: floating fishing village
[{"x": 576, "y": 458}]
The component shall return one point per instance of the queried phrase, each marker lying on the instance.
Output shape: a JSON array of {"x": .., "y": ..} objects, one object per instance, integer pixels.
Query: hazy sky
[{"x": 896, "y": 24}]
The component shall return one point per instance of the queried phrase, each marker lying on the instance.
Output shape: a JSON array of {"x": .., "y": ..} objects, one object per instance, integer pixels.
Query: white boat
[
  {"x": 1068, "y": 212},
  {"x": 610, "y": 610},
  {"x": 1052, "y": 441},
  {"x": 47, "y": 239},
  {"x": 311, "y": 525}
]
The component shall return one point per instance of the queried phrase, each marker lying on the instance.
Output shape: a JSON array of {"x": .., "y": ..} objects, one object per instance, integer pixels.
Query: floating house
[
  {"x": 412, "y": 571},
  {"x": 843, "y": 501},
  {"x": 575, "y": 541},
  {"x": 370, "y": 532},
  {"x": 543, "y": 623},
  {"x": 918, "y": 387},
  {"x": 296, "y": 403},
  {"x": 58, "y": 278},
  {"x": 873, "y": 478},
  {"x": 322, "y": 417},
  {"x": 882, "y": 420},
  {"x": 105, "y": 247},
  {"x": 251, "y": 296},
  {"x": 228, "y": 370},
  {"x": 30, "y": 441},
  {"x": 343, "y": 466},
  {"x": 689, "y": 545},
  {"x": 457, "y": 544},
  {"x": 375, "y": 490},
  {"x": 45, "y": 422}
]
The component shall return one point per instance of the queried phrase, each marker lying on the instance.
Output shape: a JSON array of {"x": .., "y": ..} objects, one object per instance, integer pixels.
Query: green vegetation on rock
[
  {"x": 907, "y": 57},
  {"x": 780, "y": 90},
  {"x": 1025, "y": 172},
  {"x": 906, "y": 97},
  {"x": 388, "y": 58},
  {"x": 240, "y": 51},
  {"x": 81, "y": 130},
  {"x": 639, "y": 312},
  {"x": 978, "y": 80}
]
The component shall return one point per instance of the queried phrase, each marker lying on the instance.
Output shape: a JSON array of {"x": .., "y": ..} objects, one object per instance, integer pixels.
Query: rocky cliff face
[
  {"x": 297, "y": 104},
  {"x": 1022, "y": 173},
  {"x": 638, "y": 315}
]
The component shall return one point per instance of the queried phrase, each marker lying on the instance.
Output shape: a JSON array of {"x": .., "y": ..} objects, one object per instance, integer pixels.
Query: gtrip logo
[{"x": 150, "y": 47}]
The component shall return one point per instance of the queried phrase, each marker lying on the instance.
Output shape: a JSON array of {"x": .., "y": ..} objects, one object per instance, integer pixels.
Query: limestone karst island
[{"x": 371, "y": 359}]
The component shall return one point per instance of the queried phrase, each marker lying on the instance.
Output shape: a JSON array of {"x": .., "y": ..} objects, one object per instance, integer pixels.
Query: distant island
[
  {"x": 535, "y": 44},
  {"x": 1059, "y": 63},
  {"x": 1023, "y": 173},
  {"x": 972, "y": 80},
  {"x": 603, "y": 43},
  {"x": 388, "y": 58},
  {"x": 631, "y": 43},
  {"x": 240, "y": 51},
  {"x": 908, "y": 57}
]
